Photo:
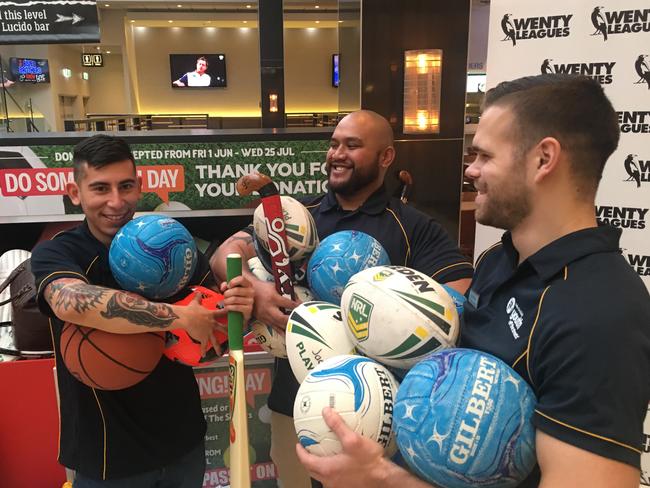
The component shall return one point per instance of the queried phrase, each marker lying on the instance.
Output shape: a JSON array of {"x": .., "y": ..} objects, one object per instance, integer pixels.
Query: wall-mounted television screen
[
  {"x": 336, "y": 78},
  {"x": 197, "y": 70},
  {"x": 476, "y": 82},
  {"x": 26, "y": 70}
]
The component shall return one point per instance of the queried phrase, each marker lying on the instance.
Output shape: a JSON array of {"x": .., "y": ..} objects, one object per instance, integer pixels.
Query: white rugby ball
[
  {"x": 302, "y": 237},
  {"x": 398, "y": 316},
  {"x": 271, "y": 340},
  {"x": 315, "y": 332},
  {"x": 361, "y": 390}
]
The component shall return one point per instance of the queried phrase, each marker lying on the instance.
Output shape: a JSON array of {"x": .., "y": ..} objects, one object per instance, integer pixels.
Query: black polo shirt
[
  {"x": 574, "y": 321},
  {"x": 113, "y": 434},
  {"x": 410, "y": 237}
]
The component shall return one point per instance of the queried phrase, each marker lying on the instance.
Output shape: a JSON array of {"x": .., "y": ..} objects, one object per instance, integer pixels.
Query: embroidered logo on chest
[{"x": 515, "y": 317}]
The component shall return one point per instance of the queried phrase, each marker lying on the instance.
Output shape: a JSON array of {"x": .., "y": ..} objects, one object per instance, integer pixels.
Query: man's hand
[
  {"x": 200, "y": 323},
  {"x": 239, "y": 296},
  {"x": 269, "y": 305}
]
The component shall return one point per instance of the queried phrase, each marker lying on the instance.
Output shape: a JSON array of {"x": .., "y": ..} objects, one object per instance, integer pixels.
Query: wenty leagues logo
[
  {"x": 642, "y": 67},
  {"x": 635, "y": 122},
  {"x": 622, "y": 217},
  {"x": 619, "y": 22},
  {"x": 601, "y": 72},
  {"x": 640, "y": 264},
  {"x": 638, "y": 171},
  {"x": 535, "y": 27}
]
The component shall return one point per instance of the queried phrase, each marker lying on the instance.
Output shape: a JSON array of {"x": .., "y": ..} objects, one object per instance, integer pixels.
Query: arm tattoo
[
  {"x": 139, "y": 311},
  {"x": 79, "y": 296}
]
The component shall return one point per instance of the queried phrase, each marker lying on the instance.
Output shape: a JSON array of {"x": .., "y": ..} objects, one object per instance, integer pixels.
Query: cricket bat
[{"x": 239, "y": 459}]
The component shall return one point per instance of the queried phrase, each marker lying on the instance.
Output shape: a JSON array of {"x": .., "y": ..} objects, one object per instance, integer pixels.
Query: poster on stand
[{"x": 213, "y": 388}]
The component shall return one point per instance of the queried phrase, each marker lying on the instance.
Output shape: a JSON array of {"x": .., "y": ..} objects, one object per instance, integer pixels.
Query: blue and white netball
[
  {"x": 153, "y": 255},
  {"x": 361, "y": 390},
  {"x": 463, "y": 418},
  {"x": 337, "y": 258}
]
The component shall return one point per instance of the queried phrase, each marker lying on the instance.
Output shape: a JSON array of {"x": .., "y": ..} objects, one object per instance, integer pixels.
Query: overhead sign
[
  {"x": 48, "y": 22},
  {"x": 92, "y": 60}
]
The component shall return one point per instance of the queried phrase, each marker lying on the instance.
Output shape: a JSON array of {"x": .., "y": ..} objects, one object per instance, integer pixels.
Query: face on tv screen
[
  {"x": 335, "y": 70},
  {"x": 30, "y": 70},
  {"x": 476, "y": 83},
  {"x": 197, "y": 70}
]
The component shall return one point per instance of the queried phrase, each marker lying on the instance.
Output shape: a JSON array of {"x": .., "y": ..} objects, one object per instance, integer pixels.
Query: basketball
[
  {"x": 153, "y": 255},
  {"x": 180, "y": 347},
  {"x": 337, "y": 258},
  {"x": 270, "y": 339},
  {"x": 361, "y": 390},
  {"x": 398, "y": 316},
  {"x": 463, "y": 418},
  {"x": 315, "y": 332},
  {"x": 108, "y": 361},
  {"x": 299, "y": 225}
]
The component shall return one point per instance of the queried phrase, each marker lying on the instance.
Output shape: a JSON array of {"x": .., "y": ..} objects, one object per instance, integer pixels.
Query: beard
[
  {"x": 358, "y": 179},
  {"x": 504, "y": 209}
]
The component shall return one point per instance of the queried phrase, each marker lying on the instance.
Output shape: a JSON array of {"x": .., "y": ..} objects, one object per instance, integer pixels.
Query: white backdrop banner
[{"x": 610, "y": 42}]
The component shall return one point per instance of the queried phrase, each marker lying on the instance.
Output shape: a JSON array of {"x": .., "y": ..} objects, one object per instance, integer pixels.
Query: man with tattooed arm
[{"x": 151, "y": 434}]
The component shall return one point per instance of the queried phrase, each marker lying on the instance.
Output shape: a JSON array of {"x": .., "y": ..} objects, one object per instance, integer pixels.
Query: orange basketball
[{"x": 109, "y": 361}]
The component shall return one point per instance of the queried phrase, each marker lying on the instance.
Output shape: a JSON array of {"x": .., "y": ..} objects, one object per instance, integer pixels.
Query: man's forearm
[
  {"x": 107, "y": 309},
  {"x": 240, "y": 243},
  {"x": 394, "y": 476}
]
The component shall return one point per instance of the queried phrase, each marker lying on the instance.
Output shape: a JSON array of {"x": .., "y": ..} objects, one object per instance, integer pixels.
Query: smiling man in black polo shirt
[
  {"x": 150, "y": 434},
  {"x": 361, "y": 151},
  {"x": 555, "y": 299}
]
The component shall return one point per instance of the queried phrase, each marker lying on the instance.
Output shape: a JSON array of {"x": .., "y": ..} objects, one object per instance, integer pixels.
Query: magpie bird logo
[
  {"x": 631, "y": 165},
  {"x": 547, "y": 67},
  {"x": 642, "y": 67},
  {"x": 508, "y": 29},
  {"x": 600, "y": 24}
]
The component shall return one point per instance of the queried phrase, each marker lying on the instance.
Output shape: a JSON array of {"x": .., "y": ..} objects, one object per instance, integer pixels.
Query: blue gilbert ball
[
  {"x": 153, "y": 255},
  {"x": 463, "y": 418},
  {"x": 339, "y": 257},
  {"x": 458, "y": 298}
]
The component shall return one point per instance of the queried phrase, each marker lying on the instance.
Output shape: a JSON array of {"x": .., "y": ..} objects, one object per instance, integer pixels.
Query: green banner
[{"x": 175, "y": 177}]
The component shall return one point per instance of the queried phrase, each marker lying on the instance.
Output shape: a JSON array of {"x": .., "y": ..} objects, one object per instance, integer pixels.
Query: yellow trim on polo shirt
[
  {"x": 59, "y": 272},
  {"x": 586, "y": 432},
  {"x": 408, "y": 244},
  {"x": 484, "y": 253},
  {"x": 101, "y": 412},
  {"x": 464, "y": 263}
]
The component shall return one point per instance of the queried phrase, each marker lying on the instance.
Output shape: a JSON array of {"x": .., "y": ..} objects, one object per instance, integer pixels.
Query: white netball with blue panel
[
  {"x": 463, "y": 419},
  {"x": 339, "y": 257},
  {"x": 153, "y": 255},
  {"x": 361, "y": 390}
]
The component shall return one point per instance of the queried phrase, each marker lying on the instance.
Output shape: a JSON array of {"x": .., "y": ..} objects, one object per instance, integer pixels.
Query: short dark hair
[
  {"x": 572, "y": 109},
  {"x": 99, "y": 151}
]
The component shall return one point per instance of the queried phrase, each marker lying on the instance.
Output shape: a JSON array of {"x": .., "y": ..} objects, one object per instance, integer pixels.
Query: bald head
[{"x": 374, "y": 124}]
